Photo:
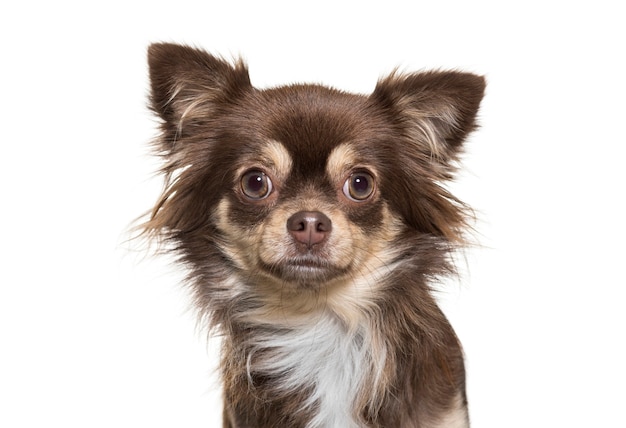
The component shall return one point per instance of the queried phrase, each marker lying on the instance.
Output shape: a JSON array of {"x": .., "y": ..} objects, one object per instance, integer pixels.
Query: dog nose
[{"x": 309, "y": 227}]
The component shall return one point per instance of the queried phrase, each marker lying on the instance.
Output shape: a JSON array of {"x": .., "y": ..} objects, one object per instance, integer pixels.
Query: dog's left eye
[
  {"x": 256, "y": 184},
  {"x": 359, "y": 186}
]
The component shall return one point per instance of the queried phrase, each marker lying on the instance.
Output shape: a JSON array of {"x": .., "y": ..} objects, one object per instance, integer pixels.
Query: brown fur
[{"x": 379, "y": 261}]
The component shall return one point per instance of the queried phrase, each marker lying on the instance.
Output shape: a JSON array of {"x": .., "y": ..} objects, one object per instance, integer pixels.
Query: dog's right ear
[{"x": 187, "y": 84}]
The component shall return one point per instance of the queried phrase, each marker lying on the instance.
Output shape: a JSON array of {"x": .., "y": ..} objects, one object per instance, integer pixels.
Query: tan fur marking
[
  {"x": 240, "y": 247},
  {"x": 278, "y": 158},
  {"x": 373, "y": 261},
  {"x": 273, "y": 157},
  {"x": 340, "y": 161}
]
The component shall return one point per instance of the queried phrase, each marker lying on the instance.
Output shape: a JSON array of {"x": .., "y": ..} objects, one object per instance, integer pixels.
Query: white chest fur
[{"x": 322, "y": 356}]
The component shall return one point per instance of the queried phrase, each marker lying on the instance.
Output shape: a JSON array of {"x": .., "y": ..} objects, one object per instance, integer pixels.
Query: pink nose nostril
[{"x": 309, "y": 227}]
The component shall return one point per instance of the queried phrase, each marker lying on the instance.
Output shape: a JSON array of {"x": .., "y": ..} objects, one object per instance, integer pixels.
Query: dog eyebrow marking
[
  {"x": 276, "y": 156},
  {"x": 340, "y": 161}
]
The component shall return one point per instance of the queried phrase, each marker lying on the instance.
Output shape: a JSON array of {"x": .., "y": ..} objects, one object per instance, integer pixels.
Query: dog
[{"x": 313, "y": 224}]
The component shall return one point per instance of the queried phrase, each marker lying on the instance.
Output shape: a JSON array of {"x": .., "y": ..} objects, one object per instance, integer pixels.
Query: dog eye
[
  {"x": 256, "y": 184},
  {"x": 359, "y": 186}
]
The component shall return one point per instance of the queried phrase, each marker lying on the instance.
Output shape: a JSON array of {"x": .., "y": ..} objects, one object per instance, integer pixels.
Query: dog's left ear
[{"x": 435, "y": 108}]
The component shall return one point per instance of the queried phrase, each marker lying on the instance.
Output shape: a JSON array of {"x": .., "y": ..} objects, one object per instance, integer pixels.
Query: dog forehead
[
  {"x": 340, "y": 160},
  {"x": 312, "y": 122},
  {"x": 280, "y": 161}
]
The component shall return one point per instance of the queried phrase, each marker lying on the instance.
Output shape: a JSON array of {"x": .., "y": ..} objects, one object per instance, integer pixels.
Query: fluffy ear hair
[
  {"x": 187, "y": 84},
  {"x": 435, "y": 111},
  {"x": 438, "y": 108}
]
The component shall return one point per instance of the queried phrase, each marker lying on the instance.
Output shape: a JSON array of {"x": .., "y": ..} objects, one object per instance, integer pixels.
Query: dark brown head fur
[{"x": 244, "y": 166}]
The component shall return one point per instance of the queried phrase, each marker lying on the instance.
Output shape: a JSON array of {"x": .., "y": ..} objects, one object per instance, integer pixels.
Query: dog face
[
  {"x": 306, "y": 187},
  {"x": 303, "y": 203}
]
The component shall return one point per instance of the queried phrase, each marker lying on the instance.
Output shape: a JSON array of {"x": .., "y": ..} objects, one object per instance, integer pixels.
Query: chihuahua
[{"x": 313, "y": 224}]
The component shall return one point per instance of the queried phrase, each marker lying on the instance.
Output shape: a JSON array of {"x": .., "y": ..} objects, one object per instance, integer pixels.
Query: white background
[{"x": 94, "y": 334}]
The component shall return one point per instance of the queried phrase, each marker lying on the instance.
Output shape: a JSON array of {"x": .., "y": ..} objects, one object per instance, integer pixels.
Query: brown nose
[{"x": 309, "y": 227}]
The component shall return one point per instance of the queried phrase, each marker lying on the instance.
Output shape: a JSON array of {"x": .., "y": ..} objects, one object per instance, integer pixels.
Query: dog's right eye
[{"x": 256, "y": 184}]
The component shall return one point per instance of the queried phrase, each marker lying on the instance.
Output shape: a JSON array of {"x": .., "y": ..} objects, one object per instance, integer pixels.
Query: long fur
[{"x": 342, "y": 333}]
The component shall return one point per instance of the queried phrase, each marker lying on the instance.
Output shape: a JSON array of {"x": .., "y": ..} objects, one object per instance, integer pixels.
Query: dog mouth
[
  {"x": 305, "y": 269},
  {"x": 308, "y": 263}
]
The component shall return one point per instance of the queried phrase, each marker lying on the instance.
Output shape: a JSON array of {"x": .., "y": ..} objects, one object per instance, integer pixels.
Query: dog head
[{"x": 304, "y": 186}]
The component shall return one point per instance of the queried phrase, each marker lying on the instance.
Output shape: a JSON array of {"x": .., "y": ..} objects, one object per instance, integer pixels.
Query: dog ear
[
  {"x": 434, "y": 111},
  {"x": 188, "y": 84},
  {"x": 436, "y": 108}
]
